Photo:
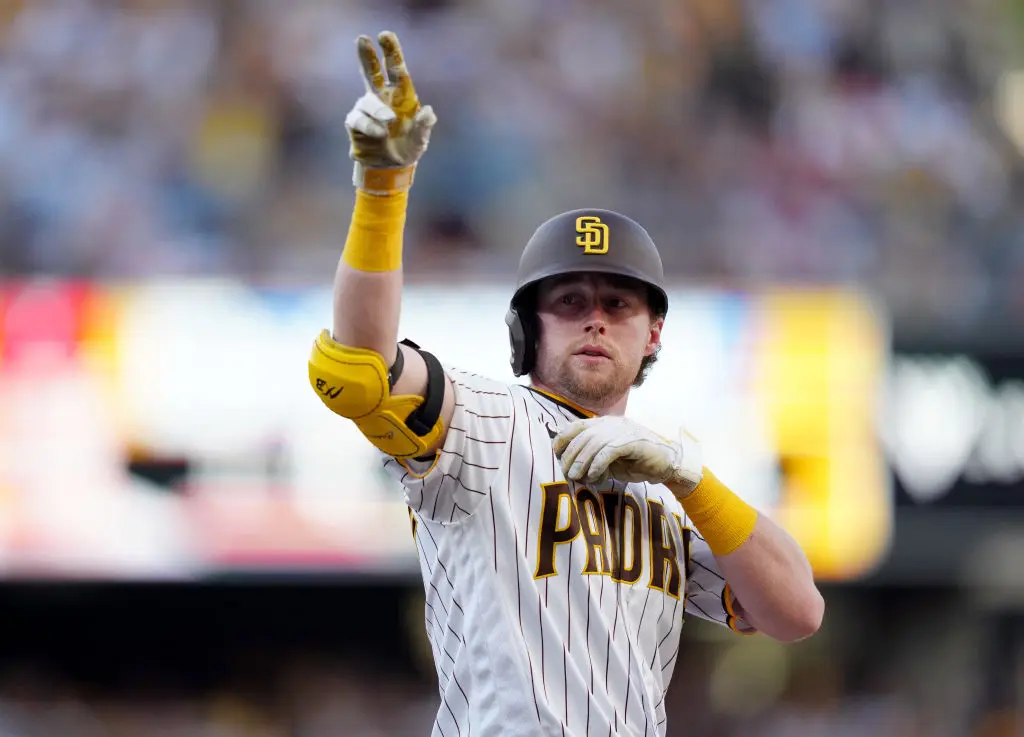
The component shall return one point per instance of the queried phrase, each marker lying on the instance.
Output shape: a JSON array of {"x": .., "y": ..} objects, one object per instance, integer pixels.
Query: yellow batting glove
[{"x": 388, "y": 128}]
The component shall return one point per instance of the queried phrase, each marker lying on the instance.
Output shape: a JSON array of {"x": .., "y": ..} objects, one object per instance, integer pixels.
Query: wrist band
[
  {"x": 722, "y": 518},
  {"x": 383, "y": 181},
  {"x": 374, "y": 240}
]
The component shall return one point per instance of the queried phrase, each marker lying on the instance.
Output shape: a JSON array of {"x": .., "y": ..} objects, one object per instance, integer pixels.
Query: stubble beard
[{"x": 589, "y": 386}]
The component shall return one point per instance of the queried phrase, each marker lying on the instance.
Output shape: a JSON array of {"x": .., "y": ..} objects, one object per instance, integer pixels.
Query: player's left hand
[
  {"x": 612, "y": 447},
  {"x": 389, "y": 130}
]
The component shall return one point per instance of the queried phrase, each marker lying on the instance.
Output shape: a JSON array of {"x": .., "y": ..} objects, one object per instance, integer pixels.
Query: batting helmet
[{"x": 588, "y": 240}]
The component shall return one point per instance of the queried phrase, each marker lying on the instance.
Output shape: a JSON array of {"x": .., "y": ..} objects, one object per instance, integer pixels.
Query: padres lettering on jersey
[
  {"x": 596, "y": 518},
  {"x": 551, "y": 607}
]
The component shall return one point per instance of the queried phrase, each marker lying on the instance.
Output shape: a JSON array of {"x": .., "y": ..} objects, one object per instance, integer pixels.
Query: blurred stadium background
[{"x": 190, "y": 545}]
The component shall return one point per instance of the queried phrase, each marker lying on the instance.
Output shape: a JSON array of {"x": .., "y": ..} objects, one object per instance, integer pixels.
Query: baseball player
[{"x": 560, "y": 543}]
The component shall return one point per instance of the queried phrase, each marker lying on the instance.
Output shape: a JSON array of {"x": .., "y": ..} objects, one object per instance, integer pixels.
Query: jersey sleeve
[
  {"x": 450, "y": 486},
  {"x": 708, "y": 596}
]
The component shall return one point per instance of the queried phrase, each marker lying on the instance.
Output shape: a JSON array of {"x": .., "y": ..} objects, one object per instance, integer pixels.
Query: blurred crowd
[
  {"x": 353, "y": 661},
  {"x": 760, "y": 141},
  {"x": 328, "y": 695}
]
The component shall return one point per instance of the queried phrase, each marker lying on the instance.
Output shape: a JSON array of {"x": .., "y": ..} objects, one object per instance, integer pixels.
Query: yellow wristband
[
  {"x": 374, "y": 240},
  {"x": 723, "y": 519}
]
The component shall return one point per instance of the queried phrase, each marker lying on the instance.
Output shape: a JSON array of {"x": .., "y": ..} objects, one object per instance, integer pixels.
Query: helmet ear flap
[{"x": 522, "y": 340}]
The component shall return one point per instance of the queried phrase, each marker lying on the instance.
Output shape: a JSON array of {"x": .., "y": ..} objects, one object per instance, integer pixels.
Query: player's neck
[{"x": 618, "y": 407}]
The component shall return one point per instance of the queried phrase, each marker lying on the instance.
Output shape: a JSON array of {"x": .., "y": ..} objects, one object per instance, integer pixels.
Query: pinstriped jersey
[{"x": 552, "y": 607}]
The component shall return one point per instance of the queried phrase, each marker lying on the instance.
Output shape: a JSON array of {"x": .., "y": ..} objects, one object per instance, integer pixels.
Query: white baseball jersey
[{"x": 543, "y": 618}]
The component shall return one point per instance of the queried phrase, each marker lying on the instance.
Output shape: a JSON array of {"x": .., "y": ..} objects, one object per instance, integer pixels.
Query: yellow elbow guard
[{"x": 356, "y": 383}]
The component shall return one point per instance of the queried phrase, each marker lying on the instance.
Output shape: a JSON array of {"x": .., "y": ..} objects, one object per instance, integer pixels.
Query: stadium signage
[{"x": 952, "y": 428}]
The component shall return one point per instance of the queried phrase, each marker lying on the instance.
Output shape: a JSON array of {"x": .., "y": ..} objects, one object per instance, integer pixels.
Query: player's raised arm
[{"x": 398, "y": 396}]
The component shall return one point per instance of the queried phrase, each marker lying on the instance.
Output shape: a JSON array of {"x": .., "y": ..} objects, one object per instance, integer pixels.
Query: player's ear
[{"x": 654, "y": 335}]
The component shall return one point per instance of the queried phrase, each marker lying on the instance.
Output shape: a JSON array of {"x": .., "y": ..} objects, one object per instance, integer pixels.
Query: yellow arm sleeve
[
  {"x": 375, "y": 235},
  {"x": 724, "y": 519}
]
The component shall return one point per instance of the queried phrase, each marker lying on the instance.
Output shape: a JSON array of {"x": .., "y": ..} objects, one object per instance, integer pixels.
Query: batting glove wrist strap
[
  {"x": 392, "y": 180},
  {"x": 688, "y": 465}
]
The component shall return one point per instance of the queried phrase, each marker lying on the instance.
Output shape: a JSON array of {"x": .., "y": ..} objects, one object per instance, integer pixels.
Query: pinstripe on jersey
[{"x": 543, "y": 616}]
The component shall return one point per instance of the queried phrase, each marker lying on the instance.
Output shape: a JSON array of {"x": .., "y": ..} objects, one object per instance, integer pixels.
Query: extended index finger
[
  {"x": 369, "y": 61},
  {"x": 405, "y": 95}
]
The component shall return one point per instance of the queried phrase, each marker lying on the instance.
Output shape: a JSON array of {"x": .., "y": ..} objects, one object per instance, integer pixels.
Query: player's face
[{"x": 594, "y": 332}]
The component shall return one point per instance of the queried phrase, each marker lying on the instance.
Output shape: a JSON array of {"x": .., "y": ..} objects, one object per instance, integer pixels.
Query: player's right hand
[{"x": 388, "y": 128}]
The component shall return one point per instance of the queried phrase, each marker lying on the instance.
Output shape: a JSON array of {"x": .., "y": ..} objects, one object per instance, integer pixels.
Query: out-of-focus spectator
[{"x": 760, "y": 142}]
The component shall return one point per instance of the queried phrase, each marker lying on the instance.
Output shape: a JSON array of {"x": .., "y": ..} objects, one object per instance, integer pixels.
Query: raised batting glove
[
  {"x": 388, "y": 128},
  {"x": 612, "y": 447}
]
